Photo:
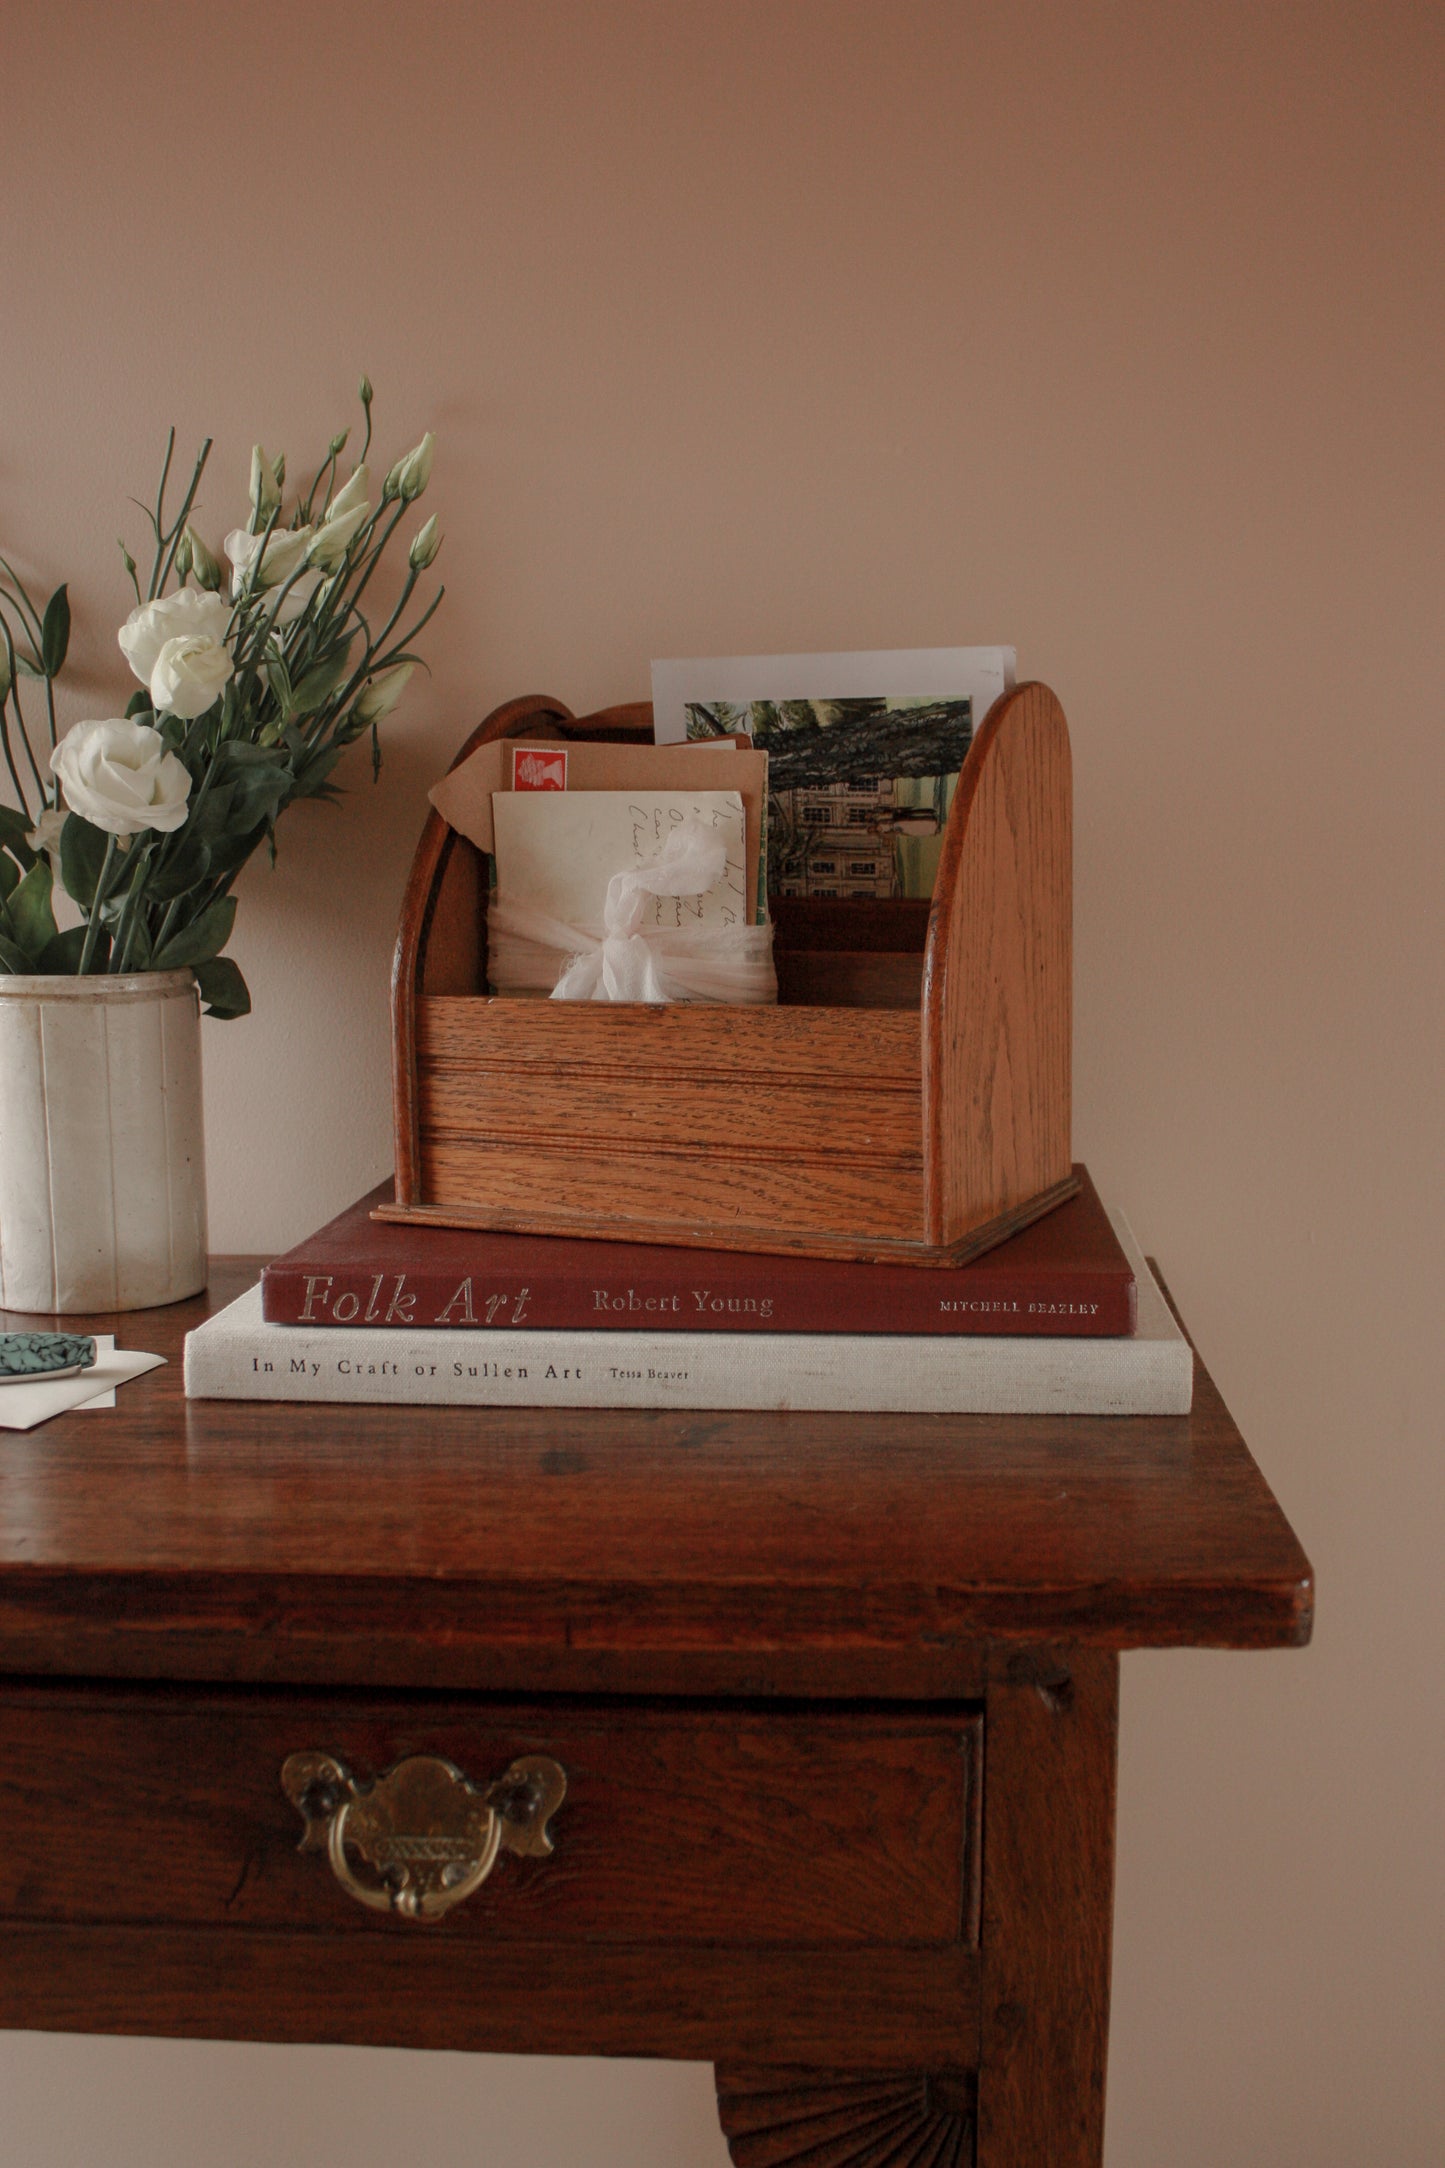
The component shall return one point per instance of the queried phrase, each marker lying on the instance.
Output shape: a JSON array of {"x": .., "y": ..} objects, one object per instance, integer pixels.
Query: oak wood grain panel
[
  {"x": 998, "y": 974},
  {"x": 432, "y": 1991},
  {"x": 693, "y": 1827},
  {"x": 1048, "y": 1900},
  {"x": 643, "y": 1042},
  {"x": 815, "y": 1121},
  {"x": 641, "y": 1189},
  {"x": 234, "y": 1539}
]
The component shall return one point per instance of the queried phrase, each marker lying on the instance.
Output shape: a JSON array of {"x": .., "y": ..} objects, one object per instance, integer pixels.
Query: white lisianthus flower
[
  {"x": 119, "y": 776},
  {"x": 381, "y": 694},
  {"x": 190, "y": 675},
  {"x": 284, "y": 553},
  {"x": 282, "y": 558},
  {"x": 334, "y": 536},
  {"x": 188, "y": 614}
]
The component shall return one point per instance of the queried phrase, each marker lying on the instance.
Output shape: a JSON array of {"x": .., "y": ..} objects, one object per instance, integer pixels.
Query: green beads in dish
[{"x": 39, "y": 1354}]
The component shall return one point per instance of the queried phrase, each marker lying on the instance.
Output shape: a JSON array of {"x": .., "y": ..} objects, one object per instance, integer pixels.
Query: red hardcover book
[{"x": 1066, "y": 1274}]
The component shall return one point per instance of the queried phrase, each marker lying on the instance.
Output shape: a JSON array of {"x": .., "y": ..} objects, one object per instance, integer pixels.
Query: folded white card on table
[{"x": 35, "y": 1400}]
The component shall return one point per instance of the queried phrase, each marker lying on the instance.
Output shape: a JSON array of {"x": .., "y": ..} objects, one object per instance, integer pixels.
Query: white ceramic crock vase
[{"x": 102, "y": 1154}]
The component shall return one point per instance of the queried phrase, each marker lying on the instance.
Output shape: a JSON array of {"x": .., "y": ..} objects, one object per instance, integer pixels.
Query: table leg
[{"x": 1050, "y": 1734}]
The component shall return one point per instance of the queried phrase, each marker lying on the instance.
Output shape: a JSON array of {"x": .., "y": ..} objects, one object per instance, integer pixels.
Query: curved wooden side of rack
[{"x": 997, "y": 979}]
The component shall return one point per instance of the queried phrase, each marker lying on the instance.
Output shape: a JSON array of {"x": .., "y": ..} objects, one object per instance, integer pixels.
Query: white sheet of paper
[
  {"x": 23, "y": 1406},
  {"x": 905, "y": 673},
  {"x": 557, "y": 850}
]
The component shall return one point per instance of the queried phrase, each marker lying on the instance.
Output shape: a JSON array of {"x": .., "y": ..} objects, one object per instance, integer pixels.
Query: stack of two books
[{"x": 1064, "y": 1319}]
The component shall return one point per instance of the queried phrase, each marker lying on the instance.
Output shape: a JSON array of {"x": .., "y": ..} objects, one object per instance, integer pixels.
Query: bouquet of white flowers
[{"x": 249, "y": 696}]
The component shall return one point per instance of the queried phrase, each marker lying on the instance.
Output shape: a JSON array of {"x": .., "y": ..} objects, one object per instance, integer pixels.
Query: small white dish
[{"x": 40, "y": 1377}]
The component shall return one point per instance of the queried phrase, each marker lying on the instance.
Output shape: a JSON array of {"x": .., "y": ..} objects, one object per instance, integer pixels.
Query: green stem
[
  {"x": 10, "y": 761},
  {"x": 92, "y": 924},
  {"x": 185, "y": 512},
  {"x": 125, "y": 931},
  {"x": 159, "y": 514},
  {"x": 23, "y": 603}
]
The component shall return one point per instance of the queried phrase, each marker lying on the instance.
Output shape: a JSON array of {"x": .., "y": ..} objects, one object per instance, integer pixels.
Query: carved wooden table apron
[{"x": 781, "y": 1741}]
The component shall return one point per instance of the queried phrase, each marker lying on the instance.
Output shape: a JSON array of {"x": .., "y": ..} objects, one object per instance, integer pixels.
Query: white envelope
[{"x": 557, "y": 850}]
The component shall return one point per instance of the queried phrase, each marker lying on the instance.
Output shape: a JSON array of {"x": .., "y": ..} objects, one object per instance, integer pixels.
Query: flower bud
[
  {"x": 363, "y": 391},
  {"x": 425, "y": 546},
  {"x": 183, "y": 557},
  {"x": 204, "y": 568},
  {"x": 278, "y": 468},
  {"x": 414, "y": 472},
  {"x": 351, "y": 495},
  {"x": 265, "y": 490},
  {"x": 331, "y": 541},
  {"x": 338, "y": 444},
  {"x": 380, "y": 696}
]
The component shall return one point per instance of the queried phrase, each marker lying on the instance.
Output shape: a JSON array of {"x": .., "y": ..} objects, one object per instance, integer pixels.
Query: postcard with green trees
[{"x": 860, "y": 781}]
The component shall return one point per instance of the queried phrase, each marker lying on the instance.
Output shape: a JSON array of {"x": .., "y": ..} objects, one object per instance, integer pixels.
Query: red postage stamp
[{"x": 536, "y": 768}]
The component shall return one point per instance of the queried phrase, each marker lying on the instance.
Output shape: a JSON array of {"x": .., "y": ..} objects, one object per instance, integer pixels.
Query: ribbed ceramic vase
[{"x": 102, "y": 1153}]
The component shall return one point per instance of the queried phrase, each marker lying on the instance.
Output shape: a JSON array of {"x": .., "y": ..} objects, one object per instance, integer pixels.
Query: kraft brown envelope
[{"x": 464, "y": 798}]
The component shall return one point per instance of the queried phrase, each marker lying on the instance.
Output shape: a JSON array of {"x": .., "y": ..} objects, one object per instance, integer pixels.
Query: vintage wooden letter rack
[{"x": 907, "y": 1099}]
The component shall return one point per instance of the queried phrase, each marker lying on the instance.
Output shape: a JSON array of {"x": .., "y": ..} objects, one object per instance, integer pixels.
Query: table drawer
[{"x": 679, "y": 1826}]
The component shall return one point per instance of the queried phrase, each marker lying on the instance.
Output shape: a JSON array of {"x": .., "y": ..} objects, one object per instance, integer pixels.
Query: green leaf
[
  {"x": 229, "y": 853},
  {"x": 14, "y": 828},
  {"x": 82, "y": 854},
  {"x": 212, "y": 816},
  {"x": 63, "y": 953},
  {"x": 13, "y": 958},
  {"x": 139, "y": 704},
  {"x": 9, "y": 875},
  {"x": 311, "y": 780},
  {"x": 55, "y": 633},
  {"x": 32, "y": 920},
  {"x": 202, "y": 940},
  {"x": 223, "y": 989},
  {"x": 256, "y": 795},
  {"x": 184, "y": 869}
]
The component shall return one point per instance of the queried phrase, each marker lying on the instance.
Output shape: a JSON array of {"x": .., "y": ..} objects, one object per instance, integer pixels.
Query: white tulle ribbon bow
[{"x": 630, "y": 962}]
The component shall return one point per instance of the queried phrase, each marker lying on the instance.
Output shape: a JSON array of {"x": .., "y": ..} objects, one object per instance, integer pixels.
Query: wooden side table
[{"x": 834, "y": 1701}]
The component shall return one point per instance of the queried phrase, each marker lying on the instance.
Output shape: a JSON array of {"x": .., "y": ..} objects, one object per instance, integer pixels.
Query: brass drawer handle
[{"x": 428, "y": 1833}]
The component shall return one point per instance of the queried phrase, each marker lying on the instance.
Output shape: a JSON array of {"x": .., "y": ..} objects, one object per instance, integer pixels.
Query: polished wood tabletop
[{"x": 597, "y": 1551}]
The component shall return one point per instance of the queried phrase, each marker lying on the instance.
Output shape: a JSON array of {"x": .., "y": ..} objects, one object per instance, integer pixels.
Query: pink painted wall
[{"x": 1111, "y": 331}]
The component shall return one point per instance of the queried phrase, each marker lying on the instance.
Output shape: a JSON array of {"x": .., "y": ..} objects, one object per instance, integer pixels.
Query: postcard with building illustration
[{"x": 863, "y": 753}]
